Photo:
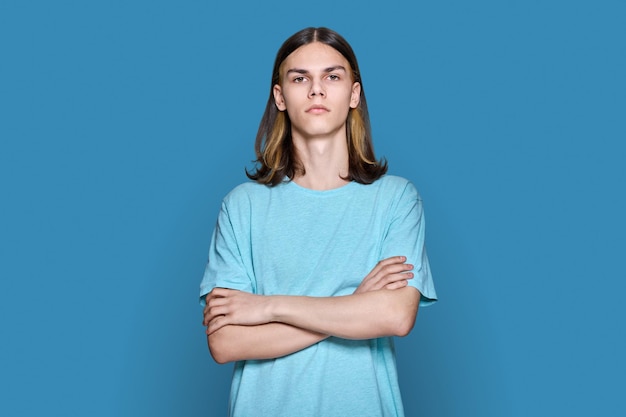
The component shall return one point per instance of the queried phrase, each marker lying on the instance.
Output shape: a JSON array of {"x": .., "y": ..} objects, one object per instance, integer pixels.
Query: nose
[{"x": 316, "y": 89}]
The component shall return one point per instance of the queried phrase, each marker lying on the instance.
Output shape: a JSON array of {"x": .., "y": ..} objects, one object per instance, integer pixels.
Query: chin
[{"x": 321, "y": 131}]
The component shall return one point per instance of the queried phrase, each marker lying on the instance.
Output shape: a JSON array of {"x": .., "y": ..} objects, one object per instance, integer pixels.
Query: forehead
[{"x": 314, "y": 56}]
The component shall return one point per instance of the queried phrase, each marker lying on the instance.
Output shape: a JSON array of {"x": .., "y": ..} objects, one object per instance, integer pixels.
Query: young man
[{"x": 315, "y": 265}]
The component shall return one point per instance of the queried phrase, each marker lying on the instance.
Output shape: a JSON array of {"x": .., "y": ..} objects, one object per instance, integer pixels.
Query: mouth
[{"x": 317, "y": 109}]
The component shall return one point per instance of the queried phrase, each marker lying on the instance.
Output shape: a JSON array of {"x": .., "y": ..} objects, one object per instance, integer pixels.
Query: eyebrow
[{"x": 329, "y": 69}]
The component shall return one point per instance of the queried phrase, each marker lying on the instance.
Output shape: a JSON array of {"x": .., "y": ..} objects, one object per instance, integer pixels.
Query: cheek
[{"x": 293, "y": 100}]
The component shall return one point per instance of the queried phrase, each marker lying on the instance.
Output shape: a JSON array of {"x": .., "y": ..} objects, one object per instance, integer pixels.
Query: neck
[{"x": 325, "y": 161}]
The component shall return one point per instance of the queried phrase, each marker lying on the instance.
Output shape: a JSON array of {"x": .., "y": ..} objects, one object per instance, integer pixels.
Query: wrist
[
  {"x": 272, "y": 308},
  {"x": 279, "y": 308}
]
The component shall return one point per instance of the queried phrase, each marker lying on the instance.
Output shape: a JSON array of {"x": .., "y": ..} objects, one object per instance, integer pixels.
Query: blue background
[{"x": 124, "y": 123}]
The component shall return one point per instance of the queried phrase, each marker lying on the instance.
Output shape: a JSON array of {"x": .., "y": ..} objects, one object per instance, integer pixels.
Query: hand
[
  {"x": 391, "y": 273},
  {"x": 225, "y": 306}
]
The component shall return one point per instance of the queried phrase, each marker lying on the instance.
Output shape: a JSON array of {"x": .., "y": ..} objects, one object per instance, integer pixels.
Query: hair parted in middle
[{"x": 275, "y": 153}]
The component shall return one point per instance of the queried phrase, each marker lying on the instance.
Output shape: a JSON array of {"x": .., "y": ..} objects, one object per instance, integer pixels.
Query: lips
[{"x": 317, "y": 109}]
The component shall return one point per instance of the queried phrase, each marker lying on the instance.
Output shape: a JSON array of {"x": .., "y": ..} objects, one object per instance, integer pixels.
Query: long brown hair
[{"x": 274, "y": 148}]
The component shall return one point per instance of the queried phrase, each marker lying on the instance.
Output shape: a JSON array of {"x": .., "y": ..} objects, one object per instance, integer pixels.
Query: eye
[
  {"x": 298, "y": 79},
  {"x": 333, "y": 77}
]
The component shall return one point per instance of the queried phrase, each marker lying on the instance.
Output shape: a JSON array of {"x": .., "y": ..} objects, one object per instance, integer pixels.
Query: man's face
[{"x": 317, "y": 91}]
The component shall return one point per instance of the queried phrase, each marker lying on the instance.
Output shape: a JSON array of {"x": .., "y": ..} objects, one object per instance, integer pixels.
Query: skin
[
  {"x": 240, "y": 325},
  {"x": 317, "y": 92}
]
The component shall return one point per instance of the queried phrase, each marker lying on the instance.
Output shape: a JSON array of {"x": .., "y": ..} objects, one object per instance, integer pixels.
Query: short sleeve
[
  {"x": 406, "y": 237},
  {"x": 226, "y": 267}
]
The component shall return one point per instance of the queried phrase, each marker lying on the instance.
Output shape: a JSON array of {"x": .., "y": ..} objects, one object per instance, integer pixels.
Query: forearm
[
  {"x": 265, "y": 341},
  {"x": 357, "y": 316},
  {"x": 269, "y": 326}
]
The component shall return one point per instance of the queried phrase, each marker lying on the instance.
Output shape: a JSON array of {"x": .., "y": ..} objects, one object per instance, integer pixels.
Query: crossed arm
[{"x": 242, "y": 326}]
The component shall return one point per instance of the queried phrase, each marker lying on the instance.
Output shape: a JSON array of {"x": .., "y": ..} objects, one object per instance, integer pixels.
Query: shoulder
[
  {"x": 242, "y": 196},
  {"x": 236, "y": 206},
  {"x": 245, "y": 191},
  {"x": 397, "y": 187}
]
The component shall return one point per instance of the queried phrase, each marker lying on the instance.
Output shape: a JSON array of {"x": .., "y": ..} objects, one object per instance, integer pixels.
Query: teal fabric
[{"x": 295, "y": 241}]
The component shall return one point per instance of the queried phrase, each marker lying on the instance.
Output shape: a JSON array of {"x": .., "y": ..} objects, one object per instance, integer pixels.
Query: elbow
[
  {"x": 405, "y": 313},
  {"x": 219, "y": 352},
  {"x": 219, "y": 360},
  {"x": 404, "y": 324},
  {"x": 218, "y": 357}
]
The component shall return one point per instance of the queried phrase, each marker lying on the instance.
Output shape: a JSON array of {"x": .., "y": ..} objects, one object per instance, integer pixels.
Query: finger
[
  {"x": 219, "y": 292},
  {"x": 397, "y": 266},
  {"x": 214, "y": 312},
  {"x": 377, "y": 277},
  {"x": 390, "y": 282},
  {"x": 388, "y": 279},
  {"x": 394, "y": 260},
  {"x": 391, "y": 273},
  {"x": 220, "y": 301},
  {"x": 213, "y": 295},
  {"x": 386, "y": 262},
  {"x": 207, "y": 319},
  {"x": 216, "y": 324},
  {"x": 213, "y": 303},
  {"x": 397, "y": 284},
  {"x": 388, "y": 267},
  {"x": 207, "y": 301}
]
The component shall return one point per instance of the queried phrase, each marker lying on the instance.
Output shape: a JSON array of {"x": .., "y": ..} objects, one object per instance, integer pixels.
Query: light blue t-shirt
[{"x": 291, "y": 240}]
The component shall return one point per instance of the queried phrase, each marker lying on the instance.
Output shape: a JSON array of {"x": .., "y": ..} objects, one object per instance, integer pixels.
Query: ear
[
  {"x": 355, "y": 98},
  {"x": 278, "y": 97}
]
